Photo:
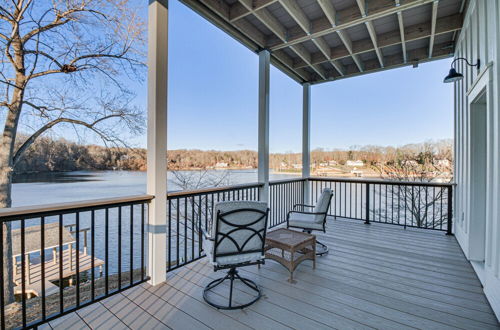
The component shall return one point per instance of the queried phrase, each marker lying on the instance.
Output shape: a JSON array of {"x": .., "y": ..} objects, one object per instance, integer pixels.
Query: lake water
[{"x": 44, "y": 188}]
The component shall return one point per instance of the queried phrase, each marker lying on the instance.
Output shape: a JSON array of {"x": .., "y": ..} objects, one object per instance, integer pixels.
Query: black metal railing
[
  {"x": 190, "y": 211},
  {"x": 424, "y": 205},
  {"x": 283, "y": 195},
  {"x": 99, "y": 247},
  {"x": 52, "y": 272}
]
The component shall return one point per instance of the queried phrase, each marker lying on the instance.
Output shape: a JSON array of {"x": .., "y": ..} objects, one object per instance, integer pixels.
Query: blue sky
[{"x": 213, "y": 98}]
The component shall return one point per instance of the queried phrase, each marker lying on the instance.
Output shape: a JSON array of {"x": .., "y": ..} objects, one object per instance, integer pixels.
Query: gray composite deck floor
[{"x": 376, "y": 276}]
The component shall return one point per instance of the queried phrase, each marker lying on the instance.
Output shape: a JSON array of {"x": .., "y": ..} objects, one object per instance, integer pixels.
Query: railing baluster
[
  {"x": 92, "y": 252},
  {"x": 106, "y": 249},
  {"x": 192, "y": 227},
  {"x": 61, "y": 257},
  {"x": 367, "y": 216},
  {"x": 131, "y": 244},
  {"x": 77, "y": 258},
  {"x": 199, "y": 224},
  {"x": 177, "y": 221},
  {"x": 119, "y": 247},
  {"x": 169, "y": 237},
  {"x": 185, "y": 228},
  {"x": 143, "y": 240},
  {"x": 23, "y": 272},
  {"x": 42, "y": 265}
]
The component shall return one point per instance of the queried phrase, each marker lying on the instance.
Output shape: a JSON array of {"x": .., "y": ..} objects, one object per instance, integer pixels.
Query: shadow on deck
[{"x": 376, "y": 276}]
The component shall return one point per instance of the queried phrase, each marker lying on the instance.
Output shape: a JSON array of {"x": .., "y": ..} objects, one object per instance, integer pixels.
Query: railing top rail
[
  {"x": 382, "y": 181},
  {"x": 283, "y": 181},
  {"x": 26, "y": 211},
  {"x": 186, "y": 193}
]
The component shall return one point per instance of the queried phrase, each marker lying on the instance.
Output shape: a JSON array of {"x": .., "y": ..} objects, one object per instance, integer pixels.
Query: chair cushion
[
  {"x": 229, "y": 260},
  {"x": 248, "y": 236},
  {"x": 323, "y": 204},
  {"x": 307, "y": 221}
]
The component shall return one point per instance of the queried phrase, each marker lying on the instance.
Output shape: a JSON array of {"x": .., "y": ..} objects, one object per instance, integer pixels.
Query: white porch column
[
  {"x": 157, "y": 138},
  {"x": 263, "y": 153},
  {"x": 306, "y": 138}
]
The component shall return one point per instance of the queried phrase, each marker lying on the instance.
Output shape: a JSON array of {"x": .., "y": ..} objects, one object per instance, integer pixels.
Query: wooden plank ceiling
[{"x": 323, "y": 40}]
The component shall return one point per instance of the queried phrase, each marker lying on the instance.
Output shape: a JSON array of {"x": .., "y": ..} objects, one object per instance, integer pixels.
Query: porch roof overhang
[{"x": 323, "y": 40}]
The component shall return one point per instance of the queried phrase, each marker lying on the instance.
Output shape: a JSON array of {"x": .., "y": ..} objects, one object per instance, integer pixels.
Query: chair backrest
[
  {"x": 239, "y": 227},
  {"x": 323, "y": 204}
]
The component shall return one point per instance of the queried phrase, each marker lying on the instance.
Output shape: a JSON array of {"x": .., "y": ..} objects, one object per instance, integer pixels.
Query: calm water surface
[{"x": 34, "y": 189}]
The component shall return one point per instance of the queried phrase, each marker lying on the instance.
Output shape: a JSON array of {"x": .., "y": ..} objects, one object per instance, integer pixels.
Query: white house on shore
[
  {"x": 477, "y": 144},
  {"x": 355, "y": 163}
]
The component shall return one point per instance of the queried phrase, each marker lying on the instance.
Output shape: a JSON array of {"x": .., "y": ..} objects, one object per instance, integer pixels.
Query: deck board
[{"x": 375, "y": 276}]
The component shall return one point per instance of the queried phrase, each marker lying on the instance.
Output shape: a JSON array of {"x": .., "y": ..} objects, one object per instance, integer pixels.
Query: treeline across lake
[{"x": 52, "y": 155}]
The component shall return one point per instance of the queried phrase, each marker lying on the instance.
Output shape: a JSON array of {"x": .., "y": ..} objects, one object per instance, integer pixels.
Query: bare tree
[
  {"x": 417, "y": 205},
  {"x": 64, "y": 63}
]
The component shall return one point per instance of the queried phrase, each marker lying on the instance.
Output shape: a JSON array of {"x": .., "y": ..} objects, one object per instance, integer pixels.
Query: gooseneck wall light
[{"x": 456, "y": 76}]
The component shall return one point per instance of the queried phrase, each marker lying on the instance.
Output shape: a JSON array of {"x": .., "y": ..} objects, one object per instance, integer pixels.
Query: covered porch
[
  {"x": 403, "y": 270},
  {"x": 375, "y": 276}
]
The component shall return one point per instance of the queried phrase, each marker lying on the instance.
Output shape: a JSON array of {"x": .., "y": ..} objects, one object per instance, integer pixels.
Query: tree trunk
[
  {"x": 6, "y": 169},
  {"x": 7, "y": 165}
]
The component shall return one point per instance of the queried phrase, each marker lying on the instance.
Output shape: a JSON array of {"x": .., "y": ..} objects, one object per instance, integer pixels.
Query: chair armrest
[
  {"x": 301, "y": 212},
  {"x": 303, "y": 205}
]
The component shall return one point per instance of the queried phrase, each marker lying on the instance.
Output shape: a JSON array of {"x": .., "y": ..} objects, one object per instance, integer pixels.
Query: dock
[{"x": 51, "y": 266}]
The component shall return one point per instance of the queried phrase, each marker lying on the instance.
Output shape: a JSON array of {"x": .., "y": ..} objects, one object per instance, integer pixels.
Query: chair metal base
[
  {"x": 321, "y": 248},
  {"x": 231, "y": 275}
]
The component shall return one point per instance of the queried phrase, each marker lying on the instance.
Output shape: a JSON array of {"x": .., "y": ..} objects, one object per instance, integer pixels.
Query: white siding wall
[{"x": 480, "y": 38}]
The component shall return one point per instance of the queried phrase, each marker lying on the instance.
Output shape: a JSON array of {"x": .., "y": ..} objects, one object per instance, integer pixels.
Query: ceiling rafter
[
  {"x": 371, "y": 31},
  {"x": 223, "y": 10},
  {"x": 325, "y": 50},
  {"x": 322, "y": 27},
  {"x": 290, "y": 30},
  {"x": 411, "y": 33},
  {"x": 238, "y": 11},
  {"x": 331, "y": 15},
  {"x": 348, "y": 45},
  {"x": 435, "y": 5},
  {"x": 395, "y": 61},
  {"x": 266, "y": 18},
  {"x": 301, "y": 19},
  {"x": 402, "y": 32}
]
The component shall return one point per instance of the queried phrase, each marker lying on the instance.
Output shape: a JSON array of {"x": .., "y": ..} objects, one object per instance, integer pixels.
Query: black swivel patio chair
[{"x": 236, "y": 240}]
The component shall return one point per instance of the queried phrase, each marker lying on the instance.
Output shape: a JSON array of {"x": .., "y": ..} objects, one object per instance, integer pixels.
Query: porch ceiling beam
[
  {"x": 395, "y": 61},
  {"x": 373, "y": 37},
  {"x": 293, "y": 9},
  {"x": 266, "y": 18},
  {"x": 433, "y": 26},
  {"x": 402, "y": 35},
  {"x": 415, "y": 32},
  {"x": 325, "y": 50},
  {"x": 348, "y": 45},
  {"x": 371, "y": 31},
  {"x": 238, "y": 10},
  {"x": 282, "y": 60},
  {"x": 302, "y": 52},
  {"x": 301, "y": 19},
  {"x": 331, "y": 15},
  {"x": 329, "y": 11},
  {"x": 322, "y": 26}
]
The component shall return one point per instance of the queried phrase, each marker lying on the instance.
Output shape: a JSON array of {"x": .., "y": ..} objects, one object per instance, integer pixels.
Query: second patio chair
[{"x": 313, "y": 219}]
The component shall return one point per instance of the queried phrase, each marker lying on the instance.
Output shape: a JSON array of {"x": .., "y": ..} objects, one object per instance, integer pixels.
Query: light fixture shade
[{"x": 453, "y": 76}]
